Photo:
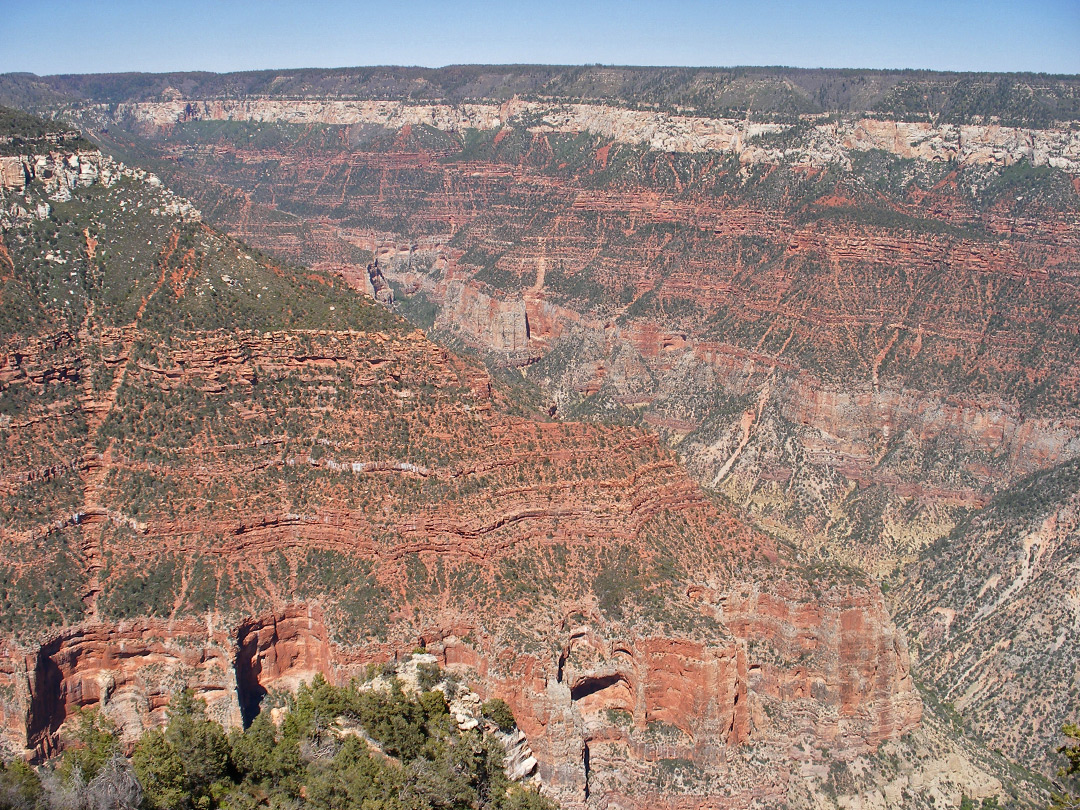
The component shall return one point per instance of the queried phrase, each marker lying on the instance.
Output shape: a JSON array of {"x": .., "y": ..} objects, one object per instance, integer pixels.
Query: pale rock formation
[{"x": 827, "y": 143}]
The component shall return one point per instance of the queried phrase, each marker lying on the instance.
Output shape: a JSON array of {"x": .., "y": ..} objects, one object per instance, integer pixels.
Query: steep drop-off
[
  {"x": 854, "y": 318},
  {"x": 228, "y": 473}
]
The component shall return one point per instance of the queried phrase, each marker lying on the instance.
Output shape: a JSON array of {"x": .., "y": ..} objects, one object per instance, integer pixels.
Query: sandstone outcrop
[
  {"x": 655, "y": 699},
  {"x": 486, "y": 321},
  {"x": 12, "y": 172},
  {"x": 858, "y": 330},
  {"x": 60, "y": 173}
]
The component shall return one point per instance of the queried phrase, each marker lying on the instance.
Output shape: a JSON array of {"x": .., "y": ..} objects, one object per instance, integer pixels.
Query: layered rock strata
[
  {"x": 858, "y": 331},
  {"x": 603, "y": 718},
  {"x": 229, "y": 474},
  {"x": 827, "y": 143},
  {"x": 994, "y": 612},
  {"x": 842, "y": 346}
]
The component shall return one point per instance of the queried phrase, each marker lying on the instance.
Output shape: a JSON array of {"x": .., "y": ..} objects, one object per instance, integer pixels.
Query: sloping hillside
[{"x": 993, "y": 611}]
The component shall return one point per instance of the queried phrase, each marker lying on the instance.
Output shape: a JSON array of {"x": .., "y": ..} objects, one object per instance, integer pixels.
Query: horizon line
[{"x": 542, "y": 65}]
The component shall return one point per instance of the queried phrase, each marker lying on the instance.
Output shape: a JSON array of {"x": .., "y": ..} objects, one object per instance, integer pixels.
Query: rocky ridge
[
  {"x": 768, "y": 94},
  {"x": 994, "y": 631},
  {"x": 60, "y": 173}
]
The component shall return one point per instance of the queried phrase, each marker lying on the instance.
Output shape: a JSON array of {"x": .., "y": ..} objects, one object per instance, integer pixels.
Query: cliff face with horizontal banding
[
  {"x": 859, "y": 330},
  {"x": 599, "y": 715},
  {"x": 825, "y": 144},
  {"x": 674, "y": 655},
  {"x": 231, "y": 474}
]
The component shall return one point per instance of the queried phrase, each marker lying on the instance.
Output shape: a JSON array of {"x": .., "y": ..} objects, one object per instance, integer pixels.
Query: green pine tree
[
  {"x": 160, "y": 771},
  {"x": 1069, "y": 796}
]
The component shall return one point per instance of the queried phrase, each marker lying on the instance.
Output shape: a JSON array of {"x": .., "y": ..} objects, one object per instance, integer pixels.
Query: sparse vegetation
[
  {"x": 333, "y": 748},
  {"x": 22, "y": 134},
  {"x": 1067, "y": 795}
]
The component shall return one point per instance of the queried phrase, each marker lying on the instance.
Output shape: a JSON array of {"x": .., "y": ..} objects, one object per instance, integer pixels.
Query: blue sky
[{"x": 48, "y": 36}]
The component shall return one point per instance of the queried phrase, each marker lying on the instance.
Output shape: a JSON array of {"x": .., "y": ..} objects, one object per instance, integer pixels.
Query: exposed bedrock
[
  {"x": 501, "y": 325},
  {"x": 130, "y": 670},
  {"x": 872, "y": 471},
  {"x": 993, "y": 613},
  {"x": 795, "y": 449},
  {"x": 279, "y": 651},
  {"x": 827, "y": 142},
  {"x": 633, "y": 701}
]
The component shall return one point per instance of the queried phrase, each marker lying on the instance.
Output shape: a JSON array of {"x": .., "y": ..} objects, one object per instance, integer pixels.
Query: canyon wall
[
  {"x": 630, "y": 703},
  {"x": 826, "y": 143},
  {"x": 230, "y": 474},
  {"x": 846, "y": 327},
  {"x": 996, "y": 634},
  {"x": 860, "y": 331},
  {"x": 856, "y": 330}
]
